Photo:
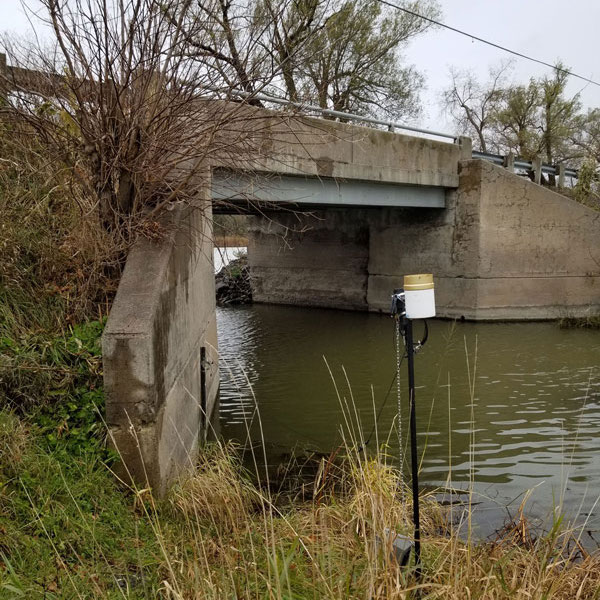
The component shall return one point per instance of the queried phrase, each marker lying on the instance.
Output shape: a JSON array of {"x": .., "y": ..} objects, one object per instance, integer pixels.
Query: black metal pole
[{"x": 413, "y": 444}]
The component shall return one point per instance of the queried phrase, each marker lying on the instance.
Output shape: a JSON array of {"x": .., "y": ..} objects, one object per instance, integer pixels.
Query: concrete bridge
[
  {"x": 383, "y": 204},
  {"x": 332, "y": 165},
  {"x": 345, "y": 211}
]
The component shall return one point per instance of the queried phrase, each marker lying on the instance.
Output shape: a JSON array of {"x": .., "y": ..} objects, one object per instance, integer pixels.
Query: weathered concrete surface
[
  {"x": 538, "y": 251},
  {"x": 312, "y": 260},
  {"x": 158, "y": 391},
  {"x": 504, "y": 248},
  {"x": 320, "y": 148}
]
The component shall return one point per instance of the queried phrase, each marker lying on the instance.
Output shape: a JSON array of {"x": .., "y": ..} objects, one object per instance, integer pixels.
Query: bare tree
[
  {"x": 119, "y": 104},
  {"x": 528, "y": 120},
  {"x": 472, "y": 105}
]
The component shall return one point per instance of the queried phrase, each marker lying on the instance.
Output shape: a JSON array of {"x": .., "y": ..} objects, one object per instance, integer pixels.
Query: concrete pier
[{"x": 503, "y": 248}]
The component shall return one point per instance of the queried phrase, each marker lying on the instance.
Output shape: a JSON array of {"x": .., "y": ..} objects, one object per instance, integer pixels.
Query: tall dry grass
[
  {"x": 334, "y": 545},
  {"x": 243, "y": 542},
  {"x": 57, "y": 265},
  {"x": 222, "y": 533},
  {"x": 245, "y": 546}
]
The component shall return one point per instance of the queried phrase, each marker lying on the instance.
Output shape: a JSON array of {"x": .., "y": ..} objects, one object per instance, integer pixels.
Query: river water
[{"x": 508, "y": 406}]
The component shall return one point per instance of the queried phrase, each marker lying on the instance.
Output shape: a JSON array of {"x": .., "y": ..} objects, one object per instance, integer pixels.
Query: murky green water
[{"x": 531, "y": 421}]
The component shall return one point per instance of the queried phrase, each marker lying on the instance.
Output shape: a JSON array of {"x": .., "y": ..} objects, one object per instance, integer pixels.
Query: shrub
[{"x": 57, "y": 381}]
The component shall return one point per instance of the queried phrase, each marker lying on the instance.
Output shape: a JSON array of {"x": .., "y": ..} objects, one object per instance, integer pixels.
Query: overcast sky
[{"x": 545, "y": 29}]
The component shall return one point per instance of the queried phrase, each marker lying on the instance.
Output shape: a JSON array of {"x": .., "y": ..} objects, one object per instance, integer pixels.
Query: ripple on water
[{"x": 534, "y": 416}]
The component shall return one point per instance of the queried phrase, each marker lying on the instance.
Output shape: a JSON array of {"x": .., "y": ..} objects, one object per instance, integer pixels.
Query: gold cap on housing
[{"x": 418, "y": 282}]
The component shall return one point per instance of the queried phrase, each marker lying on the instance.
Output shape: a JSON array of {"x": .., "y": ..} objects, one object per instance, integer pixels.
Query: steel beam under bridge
[{"x": 232, "y": 192}]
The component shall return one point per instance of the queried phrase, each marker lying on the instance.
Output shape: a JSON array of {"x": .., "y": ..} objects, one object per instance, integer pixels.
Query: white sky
[{"x": 544, "y": 29}]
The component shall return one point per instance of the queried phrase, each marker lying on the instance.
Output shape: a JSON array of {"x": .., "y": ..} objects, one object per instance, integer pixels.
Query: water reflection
[{"x": 514, "y": 405}]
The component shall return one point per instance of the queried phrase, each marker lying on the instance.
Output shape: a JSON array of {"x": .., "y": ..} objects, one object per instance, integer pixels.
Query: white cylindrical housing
[{"x": 419, "y": 296}]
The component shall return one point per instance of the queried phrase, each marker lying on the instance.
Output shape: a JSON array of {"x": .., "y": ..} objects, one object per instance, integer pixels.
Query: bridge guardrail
[
  {"x": 508, "y": 161},
  {"x": 498, "y": 159},
  {"x": 391, "y": 125}
]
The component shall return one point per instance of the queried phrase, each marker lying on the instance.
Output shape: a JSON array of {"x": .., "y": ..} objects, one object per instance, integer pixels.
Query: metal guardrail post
[
  {"x": 536, "y": 165},
  {"x": 509, "y": 162},
  {"x": 561, "y": 175}
]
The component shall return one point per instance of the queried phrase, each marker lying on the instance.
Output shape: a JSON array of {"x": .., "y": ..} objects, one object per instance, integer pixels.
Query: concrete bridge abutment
[
  {"x": 159, "y": 346},
  {"x": 504, "y": 248}
]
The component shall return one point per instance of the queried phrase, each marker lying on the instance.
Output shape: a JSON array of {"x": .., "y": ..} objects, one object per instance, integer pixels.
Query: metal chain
[{"x": 399, "y": 352}]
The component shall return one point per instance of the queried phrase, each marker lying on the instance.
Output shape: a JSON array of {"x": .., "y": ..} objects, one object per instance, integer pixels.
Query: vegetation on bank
[
  {"x": 69, "y": 529},
  {"x": 230, "y": 231},
  {"x": 232, "y": 283},
  {"x": 591, "y": 322}
]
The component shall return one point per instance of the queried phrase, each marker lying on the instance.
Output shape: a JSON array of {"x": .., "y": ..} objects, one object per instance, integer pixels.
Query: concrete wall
[
  {"x": 504, "y": 248},
  {"x": 163, "y": 315},
  {"x": 318, "y": 259},
  {"x": 317, "y": 147},
  {"x": 539, "y": 252}
]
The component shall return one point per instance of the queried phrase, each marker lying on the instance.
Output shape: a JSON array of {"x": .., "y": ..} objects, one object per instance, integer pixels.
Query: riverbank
[
  {"x": 230, "y": 241},
  {"x": 592, "y": 322},
  {"x": 70, "y": 530},
  {"x": 232, "y": 281}
]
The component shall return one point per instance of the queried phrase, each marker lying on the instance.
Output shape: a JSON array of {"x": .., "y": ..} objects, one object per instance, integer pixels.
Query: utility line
[{"x": 474, "y": 37}]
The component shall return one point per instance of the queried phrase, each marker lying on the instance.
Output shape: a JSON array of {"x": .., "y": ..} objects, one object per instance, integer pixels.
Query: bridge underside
[
  {"x": 234, "y": 193},
  {"x": 504, "y": 248}
]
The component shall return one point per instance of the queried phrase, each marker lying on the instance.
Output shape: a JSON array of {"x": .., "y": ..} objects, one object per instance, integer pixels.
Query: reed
[
  {"x": 589, "y": 322},
  {"x": 70, "y": 529}
]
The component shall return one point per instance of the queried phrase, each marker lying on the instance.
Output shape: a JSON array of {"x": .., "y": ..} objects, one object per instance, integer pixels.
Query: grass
[
  {"x": 230, "y": 241},
  {"x": 67, "y": 531},
  {"x": 55, "y": 381},
  {"x": 58, "y": 267},
  {"x": 70, "y": 530},
  {"x": 230, "y": 231}
]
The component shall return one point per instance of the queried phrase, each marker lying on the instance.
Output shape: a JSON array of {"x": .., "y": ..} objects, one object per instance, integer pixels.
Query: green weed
[{"x": 57, "y": 381}]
